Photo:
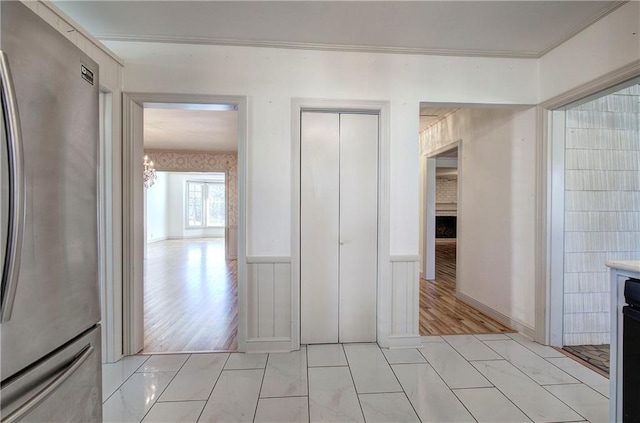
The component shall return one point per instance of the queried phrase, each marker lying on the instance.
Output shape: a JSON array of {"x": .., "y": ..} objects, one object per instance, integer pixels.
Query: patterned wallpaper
[{"x": 194, "y": 161}]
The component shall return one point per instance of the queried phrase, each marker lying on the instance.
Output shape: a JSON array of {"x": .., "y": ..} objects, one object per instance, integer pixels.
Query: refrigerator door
[
  {"x": 65, "y": 387},
  {"x": 56, "y": 296}
]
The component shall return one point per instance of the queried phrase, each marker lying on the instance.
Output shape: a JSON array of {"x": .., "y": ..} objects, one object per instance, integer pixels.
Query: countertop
[{"x": 629, "y": 266}]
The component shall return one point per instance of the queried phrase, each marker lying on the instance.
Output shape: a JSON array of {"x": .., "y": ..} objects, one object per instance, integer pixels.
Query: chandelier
[{"x": 148, "y": 172}]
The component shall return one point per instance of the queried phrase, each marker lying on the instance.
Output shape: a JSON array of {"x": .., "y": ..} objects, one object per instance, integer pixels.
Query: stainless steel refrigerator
[{"x": 50, "y": 308}]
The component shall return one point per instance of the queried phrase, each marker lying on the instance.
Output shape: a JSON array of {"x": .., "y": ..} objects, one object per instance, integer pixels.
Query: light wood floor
[
  {"x": 190, "y": 297},
  {"x": 441, "y": 313}
]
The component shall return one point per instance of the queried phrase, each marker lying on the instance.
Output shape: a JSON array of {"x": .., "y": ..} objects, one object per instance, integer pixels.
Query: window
[{"x": 205, "y": 204}]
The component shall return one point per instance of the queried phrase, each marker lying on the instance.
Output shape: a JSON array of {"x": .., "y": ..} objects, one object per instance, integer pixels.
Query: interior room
[
  {"x": 321, "y": 305},
  {"x": 190, "y": 268}
]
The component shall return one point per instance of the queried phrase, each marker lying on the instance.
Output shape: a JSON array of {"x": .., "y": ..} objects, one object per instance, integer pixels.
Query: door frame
[
  {"x": 428, "y": 229},
  {"x": 549, "y": 295},
  {"x": 132, "y": 207},
  {"x": 382, "y": 109}
]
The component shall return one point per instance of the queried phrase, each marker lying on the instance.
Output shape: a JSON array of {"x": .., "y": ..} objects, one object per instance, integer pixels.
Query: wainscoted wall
[
  {"x": 602, "y": 208},
  {"x": 405, "y": 278},
  {"x": 197, "y": 161},
  {"x": 268, "y": 304}
]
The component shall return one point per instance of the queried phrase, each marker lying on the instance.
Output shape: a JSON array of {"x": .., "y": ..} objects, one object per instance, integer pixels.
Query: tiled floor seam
[
  {"x": 506, "y": 396},
  {"x": 445, "y": 383},
  {"x": 538, "y": 355},
  {"x": 264, "y": 372},
  {"x": 165, "y": 388},
  {"x": 560, "y": 399},
  {"x": 579, "y": 380},
  {"x": 543, "y": 387},
  {"x": 125, "y": 380},
  {"x": 355, "y": 388},
  {"x": 213, "y": 387},
  {"x": 403, "y": 391}
]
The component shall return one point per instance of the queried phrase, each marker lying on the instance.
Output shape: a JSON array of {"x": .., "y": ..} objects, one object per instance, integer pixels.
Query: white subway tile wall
[
  {"x": 602, "y": 208},
  {"x": 446, "y": 189}
]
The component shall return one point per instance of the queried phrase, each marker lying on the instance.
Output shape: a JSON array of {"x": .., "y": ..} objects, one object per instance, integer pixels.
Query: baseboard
[
  {"x": 163, "y": 238},
  {"x": 409, "y": 257},
  {"x": 403, "y": 341},
  {"x": 268, "y": 345},
  {"x": 496, "y": 315},
  {"x": 193, "y": 237},
  {"x": 268, "y": 259}
]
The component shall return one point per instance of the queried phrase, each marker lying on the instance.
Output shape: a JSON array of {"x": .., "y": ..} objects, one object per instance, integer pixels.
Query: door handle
[
  {"x": 11, "y": 266},
  {"x": 341, "y": 242},
  {"x": 54, "y": 383}
]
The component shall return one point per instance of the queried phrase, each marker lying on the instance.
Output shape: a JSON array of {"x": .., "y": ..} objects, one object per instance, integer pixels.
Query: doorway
[
  {"x": 444, "y": 307},
  {"x": 338, "y": 227},
  {"x": 595, "y": 162},
  {"x": 199, "y": 238},
  {"x": 190, "y": 285}
]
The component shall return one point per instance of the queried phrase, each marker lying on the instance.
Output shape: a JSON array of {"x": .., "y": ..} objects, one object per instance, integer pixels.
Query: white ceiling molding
[{"x": 319, "y": 46}]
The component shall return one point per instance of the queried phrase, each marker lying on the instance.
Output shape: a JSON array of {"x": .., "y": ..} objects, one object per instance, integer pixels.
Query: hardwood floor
[
  {"x": 190, "y": 297},
  {"x": 441, "y": 313}
]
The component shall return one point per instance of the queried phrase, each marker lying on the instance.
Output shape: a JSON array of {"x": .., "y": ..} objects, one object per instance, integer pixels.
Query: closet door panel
[
  {"x": 358, "y": 227},
  {"x": 319, "y": 210}
]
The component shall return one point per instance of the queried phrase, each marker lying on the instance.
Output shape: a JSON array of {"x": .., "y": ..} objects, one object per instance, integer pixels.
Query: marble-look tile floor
[{"x": 457, "y": 378}]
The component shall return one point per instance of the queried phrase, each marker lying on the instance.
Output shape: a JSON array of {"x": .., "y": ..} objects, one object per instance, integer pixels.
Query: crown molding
[
  {"x": 614, "y": 6},
  {"x": 316, "y": 46},
  {"x": 617, "y": 76},
  {"x": 77, "y": 27}
]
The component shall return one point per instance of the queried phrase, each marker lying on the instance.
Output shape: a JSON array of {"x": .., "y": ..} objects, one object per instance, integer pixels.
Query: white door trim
[
  {"x": 549, "y": 215},
  {"x": 429, "y": 232},
  {"x": 132, "y": 207},
  {"x": 382, "y": 108},
  {"x": 111, "y": 294}
]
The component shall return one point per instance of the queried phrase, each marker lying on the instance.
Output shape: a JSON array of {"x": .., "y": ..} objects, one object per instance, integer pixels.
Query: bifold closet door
[
  {"x": 358, "y": 227},
  {"x": 319, "y": 226},
  {"x": 338, "y": 227}
]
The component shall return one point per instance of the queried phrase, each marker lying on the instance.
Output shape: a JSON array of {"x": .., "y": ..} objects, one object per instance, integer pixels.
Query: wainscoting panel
[
  {"x": 404, "y": 301},
  {"x": 268, "y": 304}
]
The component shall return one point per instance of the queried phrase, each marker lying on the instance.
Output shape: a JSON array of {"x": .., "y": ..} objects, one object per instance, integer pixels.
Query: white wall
[
  {"x": 608, "y": 45},
  {"x": 166, "y": 210},
  {"x": 157, "y": 219},
  {"x": 272, "y": 77},
  {"x": 496, "y": 209}
]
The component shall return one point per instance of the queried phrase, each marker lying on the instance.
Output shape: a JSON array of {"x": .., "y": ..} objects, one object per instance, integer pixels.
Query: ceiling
[
  {"x": 429, "y": 116},
  {"x": 512, "y": 28},
  {"x": 516, "y": 28},
  {"x": 192, "y": 130}
]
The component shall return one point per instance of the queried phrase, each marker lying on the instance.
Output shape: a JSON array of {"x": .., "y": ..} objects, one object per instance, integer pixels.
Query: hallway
[
  {"x": 441, "y": 313},
  {"x": 190, "y": 297}
]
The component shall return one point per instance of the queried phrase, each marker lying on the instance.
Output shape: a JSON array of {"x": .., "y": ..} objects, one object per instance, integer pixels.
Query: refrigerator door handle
[
  {"x": 11, "y": 267},
  {"x": 58, "y": 380}
]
